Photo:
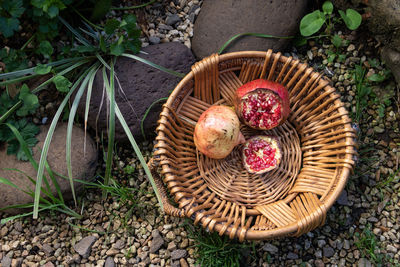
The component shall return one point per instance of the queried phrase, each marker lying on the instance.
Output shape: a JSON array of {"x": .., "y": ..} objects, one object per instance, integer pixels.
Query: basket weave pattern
[{"x": 318, "y": 145}]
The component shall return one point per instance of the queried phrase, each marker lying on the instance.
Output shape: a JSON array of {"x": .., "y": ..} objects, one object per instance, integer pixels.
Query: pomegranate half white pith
[{"x": 261, "y": 154}]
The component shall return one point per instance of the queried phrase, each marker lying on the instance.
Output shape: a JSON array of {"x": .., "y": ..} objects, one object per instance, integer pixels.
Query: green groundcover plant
[
  {"x": 96, "y": 49},
  {"x": 313, "y": 22}
]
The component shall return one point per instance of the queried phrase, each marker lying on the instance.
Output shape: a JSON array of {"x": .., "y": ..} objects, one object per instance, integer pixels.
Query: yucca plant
[{"x": 96, "y": 49}]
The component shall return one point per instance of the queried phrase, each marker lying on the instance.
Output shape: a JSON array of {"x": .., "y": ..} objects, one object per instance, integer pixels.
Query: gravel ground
[{"x": 362, "y": 228}]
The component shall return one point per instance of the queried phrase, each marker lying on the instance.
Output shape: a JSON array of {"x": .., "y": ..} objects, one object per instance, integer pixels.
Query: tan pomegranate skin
[{"x": 217, "y": 132}]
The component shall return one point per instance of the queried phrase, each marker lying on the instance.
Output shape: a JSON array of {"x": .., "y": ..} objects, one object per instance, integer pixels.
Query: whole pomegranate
[
  {"x": 262, "y": 104},
  {"x": 217, "y": 132},
  {"x": 261, "y": 154}
]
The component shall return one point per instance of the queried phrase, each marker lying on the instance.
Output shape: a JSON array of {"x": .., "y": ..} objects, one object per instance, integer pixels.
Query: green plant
[
  {"x": 363, "y": 91},
  {"x": 368, "y": 244},
  {"x": 338, "y": 43},
  {"x": 13, "y": 59},
  {"x": 43, "y": 12},
  {"x": 28, "y": 130},
  {"x": 10, "y": 12},
  {"x": 213, "y": 250},
  {"x": 313, "y": 22},
  {"x": 390, "y": 179},
  {"x": 97, "y": 51},
  {"x": 129, "y": 169},
  {"x": 123, "y": 194}
]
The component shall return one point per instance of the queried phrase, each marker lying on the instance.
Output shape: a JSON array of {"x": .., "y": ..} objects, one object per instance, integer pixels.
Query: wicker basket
[{"x": 318, "y": 148}]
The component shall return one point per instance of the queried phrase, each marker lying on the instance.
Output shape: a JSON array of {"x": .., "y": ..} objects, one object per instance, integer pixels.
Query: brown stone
[{"x": 83, "y": 166}]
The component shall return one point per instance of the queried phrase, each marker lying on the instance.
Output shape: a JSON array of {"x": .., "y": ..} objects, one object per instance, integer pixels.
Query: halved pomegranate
[
  {"x": 261, "y": 154},
  {"x": 217, "y": 132},
  {"x": 262, "y": 104}
]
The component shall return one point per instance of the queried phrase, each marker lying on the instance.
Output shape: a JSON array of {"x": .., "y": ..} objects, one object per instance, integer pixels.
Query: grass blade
[
  {"x": 154, "y": 65},
  {"x": 5, "y": 220},
  {"x": 138, "y": 154},
  {"x": 111, "y": 123},
  {"x": 46, "y": 145},
  {"x": 8, "y": 182},
  {"x": 46, "y": 191},
  {"x": 250, "y": 34},
  {"x": 88, "y": 97},
  {"x": 20, "y": 73},
  {"x": 94, "y": 36},
  {"x": 103, "y": 61},
  {"x": 147, "y": 113},
  {"x": 79, "y": 37},
  {"x": 71, "y": 118},
  {"x": 133, "y": 143}
]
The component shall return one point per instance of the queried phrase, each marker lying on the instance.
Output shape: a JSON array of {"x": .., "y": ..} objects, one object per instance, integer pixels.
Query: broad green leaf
[
  {"x": 29, "y": 100},
  {"x": 327, "y": 7},
  {"x": 117, "y": 49},
  {"x": 62, "y": 84},
  {"x": 133, "y": 46},
  {"x": 45, "y": 49},
  {"x": 311, "y": 23},
  {"x": 341, "y": 57},
  {"x": 15, "y": 7},
  {"x": 351, "y": 18},
  {"x": 38, "y": 3},
  {"x": 111, "y": 26},
  {"x": 53, "y": 11},
  {"x": 373, "y": 62},
  {"x": 376, "y": 77},
  {"x": 42, "y": 69},
  {"x": 8, "y": 26},
  {"x": 129, "y": 22},
  {"x": 331, "y": 58},
  {"x": 22, "y": 139},
  {"x": 133, "y": 32},
  {"x": 337, "y": 41}
]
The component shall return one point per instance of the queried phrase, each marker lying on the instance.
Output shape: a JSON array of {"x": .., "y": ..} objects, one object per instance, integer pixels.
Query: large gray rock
[
  {"x": 219, "y": 20},
  {"x": 392, "y": 59},
  {"x": 141, "y": 85},
  {"x": 383, "y": 21},
  {"x": 83, "y": 165}
]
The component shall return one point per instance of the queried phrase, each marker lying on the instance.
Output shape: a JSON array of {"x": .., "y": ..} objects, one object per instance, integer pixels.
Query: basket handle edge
[{"x": 168, "y": 207}]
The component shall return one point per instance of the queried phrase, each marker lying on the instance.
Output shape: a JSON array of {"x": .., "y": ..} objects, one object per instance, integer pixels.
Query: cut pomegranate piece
[
  {"x": 217, "y": 132},
  {"x": 262, "y": 104},
  {"x": 261, "y": 154}
]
